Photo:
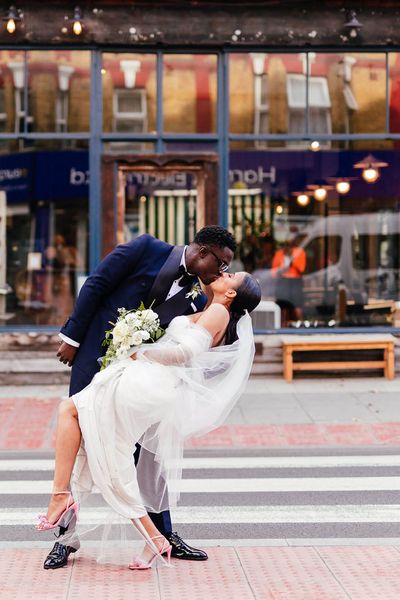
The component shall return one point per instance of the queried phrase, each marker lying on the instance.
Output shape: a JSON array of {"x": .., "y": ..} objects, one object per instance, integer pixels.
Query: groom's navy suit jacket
[{"x": 141, "y": 270}]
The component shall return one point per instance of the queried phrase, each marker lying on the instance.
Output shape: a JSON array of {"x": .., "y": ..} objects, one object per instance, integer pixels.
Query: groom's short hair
[{"x": 213, "y": 235}]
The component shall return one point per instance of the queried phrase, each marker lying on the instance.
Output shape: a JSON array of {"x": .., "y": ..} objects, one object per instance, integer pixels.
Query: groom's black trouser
[
  {"x": 79, "y": 380},
  {"x": 161, "y": 520}
]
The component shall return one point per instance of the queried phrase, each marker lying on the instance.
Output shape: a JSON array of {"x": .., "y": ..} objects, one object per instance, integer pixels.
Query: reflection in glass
[
  {"x": 356, "y": 84},
  {"x": 129, "y": 93},
  {"x": 163, "y": 204},
  {"x": 58, "y": 91},
  {"x": 46, "y": 235},
  {"x": 324, "y": 263},
  {"x": 394, "y": 92},
  {"x": 346, "y": 94},
  {"x": 190, "y": 93},
  {"x": 11, "y": 92}
]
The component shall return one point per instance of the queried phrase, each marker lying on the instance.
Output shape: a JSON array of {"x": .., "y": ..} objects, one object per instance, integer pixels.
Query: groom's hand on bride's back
[{"x": 67, "y": 353}]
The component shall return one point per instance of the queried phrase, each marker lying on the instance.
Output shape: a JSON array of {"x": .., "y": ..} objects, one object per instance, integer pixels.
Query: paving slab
[{"x": 321, "y": 572}]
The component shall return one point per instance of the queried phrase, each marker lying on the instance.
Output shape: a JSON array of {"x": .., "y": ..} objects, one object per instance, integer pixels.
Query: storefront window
[
  {"x": 46, "y": 235},
  {"x": 12, "y": 103},
  {"x": 190, "y": 93},
  {"x": 321, "y": 231},
  {"x": 58, "y": 91},
  {"x": 346, "y": 94},
  {"x": 129, "y": 93}
]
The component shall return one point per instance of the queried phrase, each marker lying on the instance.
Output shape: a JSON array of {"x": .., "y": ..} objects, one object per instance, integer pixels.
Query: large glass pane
[
  {"x": 347, "y": 92},
  {"x": 267, "y": 93},
  {"x": 129, "y": 93},
  {"x": 162, "y": 203},
  {"x": 58, "y": 91},
  {"x": 12, "y": 79},
  {"x": 321, "y": 231},
  {"x": 394, "y": 92},
  {"x": 190, "y": 93},
  {"x": 44, "y": 200}
]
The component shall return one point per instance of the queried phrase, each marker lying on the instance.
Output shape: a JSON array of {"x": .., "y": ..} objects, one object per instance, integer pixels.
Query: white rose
[
  {"x": 149, "y": 315},
  {"x": 120, "y": 331},
  {"x": 136, "y": 339},
  {"x": 145, "y": 335}
]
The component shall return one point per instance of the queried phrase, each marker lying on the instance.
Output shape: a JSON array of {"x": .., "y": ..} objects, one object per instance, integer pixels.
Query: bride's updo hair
[{"x": 248, "y": 296}]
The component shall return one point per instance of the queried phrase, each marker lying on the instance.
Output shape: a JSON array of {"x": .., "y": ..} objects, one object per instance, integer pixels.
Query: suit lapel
[
  {"x": 165, "y": 277},
  {"x": 175, "y": 306}
]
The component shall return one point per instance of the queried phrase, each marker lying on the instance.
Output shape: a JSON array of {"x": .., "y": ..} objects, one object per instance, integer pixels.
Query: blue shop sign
[{"x": 47, "y": 176}]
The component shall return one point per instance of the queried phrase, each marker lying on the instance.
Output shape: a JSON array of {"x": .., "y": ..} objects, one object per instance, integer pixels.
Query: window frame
[{"x": 222, "y": 136}]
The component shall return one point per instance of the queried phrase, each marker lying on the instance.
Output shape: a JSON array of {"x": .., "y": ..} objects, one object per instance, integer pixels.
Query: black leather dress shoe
[
  {"x": 180, "y": 549},
  {"x": 58, "y": 556}
]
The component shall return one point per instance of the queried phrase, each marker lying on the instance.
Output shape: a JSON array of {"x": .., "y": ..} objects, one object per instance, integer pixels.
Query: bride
[{"x": 184, "y": 384}]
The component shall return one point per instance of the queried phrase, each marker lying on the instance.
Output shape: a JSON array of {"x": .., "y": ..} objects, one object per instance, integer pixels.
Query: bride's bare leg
[
  {"x": 152, "y": 531},
  {"x": 68, "y": 440}
]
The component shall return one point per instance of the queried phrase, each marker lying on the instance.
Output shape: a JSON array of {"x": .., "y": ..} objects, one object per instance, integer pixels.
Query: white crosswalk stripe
[{"x": 238, "y": 497}]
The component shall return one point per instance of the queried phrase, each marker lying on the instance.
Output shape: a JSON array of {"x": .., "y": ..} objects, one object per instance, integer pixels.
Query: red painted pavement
[
  {"x": 243, "y": 573},
  {"x": 29, "y": 423}
]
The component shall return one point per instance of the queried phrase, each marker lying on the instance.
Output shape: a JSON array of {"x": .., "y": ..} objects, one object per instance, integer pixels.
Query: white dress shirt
[{"x": 174, "y": 289}]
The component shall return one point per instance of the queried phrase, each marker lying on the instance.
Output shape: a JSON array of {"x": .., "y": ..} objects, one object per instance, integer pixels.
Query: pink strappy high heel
[
  {"x": 139, "y": 564},
  {"x": 65, "y": 517}
]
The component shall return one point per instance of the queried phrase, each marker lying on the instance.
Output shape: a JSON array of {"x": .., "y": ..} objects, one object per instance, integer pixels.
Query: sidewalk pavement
[
  {"x": 271, "y": 413},
  {"x": 231, "y": 573}
]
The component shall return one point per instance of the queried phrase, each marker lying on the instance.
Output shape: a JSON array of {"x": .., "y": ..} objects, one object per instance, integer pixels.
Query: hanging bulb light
[
  {"x": 320, "y": 193},
  {"x": 77, "y": 18},
  {"x": 279, "y": 209},
  {"x": 370, "y": 168},
  {"x": 315, "y": 146},
  {"x": 303, "y": 200},
  {"x": 342, "y": 181},
  {"x": 370, "y": 175},
  {"x": 320, "y": 190},
  {"x": 342, "y": 187},
  {"x": 11, "y": 27},
  {"x": 11, "y": 17}
]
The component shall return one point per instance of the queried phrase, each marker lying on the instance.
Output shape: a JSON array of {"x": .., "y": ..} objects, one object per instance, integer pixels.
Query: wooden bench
[{"x": 320, "y": 343}]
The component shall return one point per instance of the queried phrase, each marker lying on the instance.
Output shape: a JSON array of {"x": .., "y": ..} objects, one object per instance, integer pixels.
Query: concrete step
[{"x": 21, "y": 367}]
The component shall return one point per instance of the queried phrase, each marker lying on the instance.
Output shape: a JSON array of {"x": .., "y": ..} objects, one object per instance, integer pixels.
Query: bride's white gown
[{"x": 176, "y": 388}]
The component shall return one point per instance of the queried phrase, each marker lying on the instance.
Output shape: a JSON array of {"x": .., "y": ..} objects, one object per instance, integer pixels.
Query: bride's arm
[{"x": 214, "y": 320}]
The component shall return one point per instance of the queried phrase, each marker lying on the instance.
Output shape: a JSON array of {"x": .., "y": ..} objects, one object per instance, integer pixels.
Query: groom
[{"x": 152, "y": 271}]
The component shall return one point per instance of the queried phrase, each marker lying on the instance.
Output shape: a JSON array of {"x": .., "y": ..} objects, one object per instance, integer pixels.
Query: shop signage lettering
[
  {"x": 77, "y": 177},
  {"x": 252, "y": 176},
  {"x": 9, "y": 174},
  {"x": 175, "y": 180}
]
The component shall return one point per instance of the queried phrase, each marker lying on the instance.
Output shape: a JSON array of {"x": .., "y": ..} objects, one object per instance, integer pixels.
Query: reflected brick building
[{"x": 161, "y": 117}]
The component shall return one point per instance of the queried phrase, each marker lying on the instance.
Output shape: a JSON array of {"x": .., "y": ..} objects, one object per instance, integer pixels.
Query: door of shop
[{"x": 168, "y": 196}]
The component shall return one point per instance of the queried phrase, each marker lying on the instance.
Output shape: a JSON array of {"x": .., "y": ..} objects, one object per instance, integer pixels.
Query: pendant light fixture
[{"x": 370, "y": 166}]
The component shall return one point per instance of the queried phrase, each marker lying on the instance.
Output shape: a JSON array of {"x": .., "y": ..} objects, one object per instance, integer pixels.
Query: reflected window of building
[
  {"x": 329, "y": 259},
  {"x": 129, "y": 93},
  {"x": 46, "y": 234},
  {"x": 58, "y": 91},
  {"x": 129, "y": 111},
  {"x": 190, "y": 93},
  {"x": 319, "y": 103}
]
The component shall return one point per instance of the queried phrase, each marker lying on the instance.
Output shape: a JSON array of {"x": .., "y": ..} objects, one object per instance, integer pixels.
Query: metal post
[
  {"x": 223, "y": 138},
  {"x": 160, "y": 114},
  {"x": 95, "y": 150}
]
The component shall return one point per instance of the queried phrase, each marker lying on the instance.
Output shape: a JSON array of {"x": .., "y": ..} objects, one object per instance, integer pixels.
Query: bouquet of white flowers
[{"x": 133, "y": 328}]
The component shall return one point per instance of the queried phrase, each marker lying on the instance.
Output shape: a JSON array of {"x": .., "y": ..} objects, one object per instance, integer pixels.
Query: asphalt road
[{"x": 242, "y": 495}]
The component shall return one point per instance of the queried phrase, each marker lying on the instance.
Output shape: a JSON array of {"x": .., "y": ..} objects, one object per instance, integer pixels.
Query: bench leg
[
  {"x": 389, "y": 360},
  {"x": 288, "y": 365}
]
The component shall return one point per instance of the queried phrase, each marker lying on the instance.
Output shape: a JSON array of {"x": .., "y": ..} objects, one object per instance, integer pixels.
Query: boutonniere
[{"x": 194, "y": 292}]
